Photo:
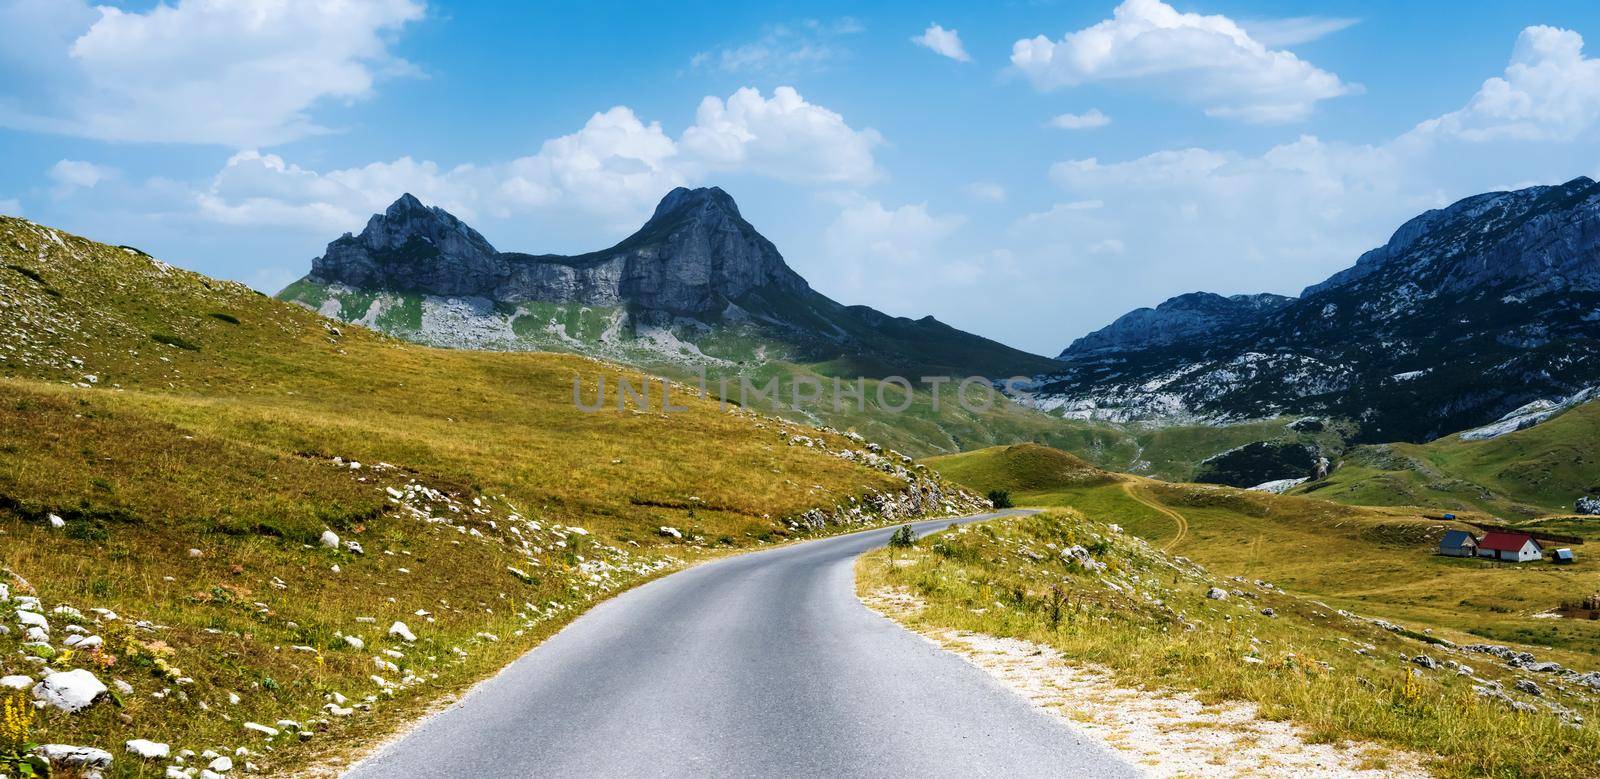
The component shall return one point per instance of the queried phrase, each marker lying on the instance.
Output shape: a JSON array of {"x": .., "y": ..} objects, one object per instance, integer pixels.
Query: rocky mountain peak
[
  {"x": 1182, "y": 317},
  {"x": 1542, "y": 237},
  {"x": 693, "y": 257},
  {"x": 681, "y": 201}
]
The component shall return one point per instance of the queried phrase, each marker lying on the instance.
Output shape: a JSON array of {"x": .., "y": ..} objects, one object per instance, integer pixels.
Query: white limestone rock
[
  {"x": 70, "y": 691},
  {"x": 146, "y": 749}
]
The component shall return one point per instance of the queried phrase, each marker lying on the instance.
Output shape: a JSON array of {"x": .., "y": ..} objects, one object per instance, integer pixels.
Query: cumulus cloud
[
  {"x": 1209, "y": 60},
  {"x": 1550, "y": 92},
  {"x": 904, "y": 235},
  {"x": 615, "y": 168},
  {"x": 242, "y": 74},
  {"x": 784, "y": 137},
  {"x": 615, "y": 164},
  {"x": 945, "y": 43},
  {"x": 881, "y": 253},
  {"x": 1087, "y": 120},
  {"x": 70, "y": 175}
]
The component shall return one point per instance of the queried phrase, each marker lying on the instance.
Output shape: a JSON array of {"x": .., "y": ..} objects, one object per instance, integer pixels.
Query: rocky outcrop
[
  {"x": 693, "y": 257},
  {"x": 1183, "y": 317}
]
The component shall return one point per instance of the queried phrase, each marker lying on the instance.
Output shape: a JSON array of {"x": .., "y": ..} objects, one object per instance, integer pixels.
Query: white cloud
[
  {"x": 904, "y": 235},
  {"x": 70, "y": 175},
  {"x": 615, "y": 168},
  {"x": 616, "y": 164},
  {"x": 243, "y": 73},
  {"x": 1296, "y": 30},
  {"x": 1087, "y": 120},
  {"x": 782, "y": 51},
  {"x": 1187, "y": 219},
  {"x": 1209, "y": 60},
  {"x": 1550, "y": 92},
  {"x": 946, "y": 43},
  {"x": 987, "y": 190},
  {"x": 785, "y": 137}
]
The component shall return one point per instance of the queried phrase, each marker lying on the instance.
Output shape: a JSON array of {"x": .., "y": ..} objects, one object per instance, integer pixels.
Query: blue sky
[{"x": 1025, "y": 170}]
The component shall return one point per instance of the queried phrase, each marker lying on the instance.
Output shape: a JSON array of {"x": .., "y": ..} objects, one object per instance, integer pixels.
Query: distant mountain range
[
  {"x": 1467, "y": 313},
  {"x": 696, "y": 283}
]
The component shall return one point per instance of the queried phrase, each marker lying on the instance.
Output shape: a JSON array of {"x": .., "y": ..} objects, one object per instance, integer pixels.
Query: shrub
[
  {"x": 903, "y": 538},
  {"x": 1000, "y": 498},
  {"x": 172, "y": 340}
]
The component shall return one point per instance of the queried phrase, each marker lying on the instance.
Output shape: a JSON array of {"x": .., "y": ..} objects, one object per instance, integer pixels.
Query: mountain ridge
[
  {"x": 1467, "y": 312},
  {"x": 695, "y": 283}
]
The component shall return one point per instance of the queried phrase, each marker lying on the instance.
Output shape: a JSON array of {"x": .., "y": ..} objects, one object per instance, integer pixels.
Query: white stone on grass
[
  {"x": 330, "y": 539},
  {"x": 399, "y": 630},
  {"x": 70, "y": 691},
  {"x": 57, "y": 522},
  {"x": 33, "y": 619},
  {"x": 221, "y": 765},
  {"x": 147, "y": 749},
  {"x": 264, "y": 730},
  {"x": 16, "y": 682},
  {"x": 74, "y": 756}
]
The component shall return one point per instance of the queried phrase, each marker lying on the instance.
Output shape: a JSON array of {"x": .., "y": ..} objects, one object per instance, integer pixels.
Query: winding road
[{"x": 763, "y": 664}]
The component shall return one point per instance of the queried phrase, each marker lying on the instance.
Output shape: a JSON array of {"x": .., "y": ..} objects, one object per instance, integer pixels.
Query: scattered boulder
[
  {"x": 70, "y": 691},
  {"x": 1528, "y": 686},
  {"x": 264, "y": 730},
  {"x": 1268, "y": 612},
  {"x": 330, "y": 539},
  {"x": 354, "y": 642},
  {"x": 222, "y": 764},
  {"x": 353, "y": 548},
  {"x": 57, "y": 522},
  {"x": 1587, "y": 505},
  {"x": 670, "y": 532},
  {"x": 70, "y": 756},
  {"x": 16, "y": 682},
  {"x": 400, "y": 631},
  {"x": 32, "y": 619},
  {"x": 1217, "y": 593},
  {"x": 1426, "y": 662},
  {"x": 147, "y": 750}
]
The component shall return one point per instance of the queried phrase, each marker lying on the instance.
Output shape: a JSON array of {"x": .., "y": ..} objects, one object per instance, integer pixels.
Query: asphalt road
[{"x": 763, "y": 664}]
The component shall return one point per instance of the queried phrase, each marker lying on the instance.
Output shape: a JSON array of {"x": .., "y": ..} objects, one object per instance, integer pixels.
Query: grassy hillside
[
  {"x": 1540, "y": 470},
  {"x": 1019, "y": 468},
  {"x": 1378, "y": 561},
  {"x": 1077, "y": 582},
  {"x": 176, "y": 450},
  {"x": 688, "y": 350}
]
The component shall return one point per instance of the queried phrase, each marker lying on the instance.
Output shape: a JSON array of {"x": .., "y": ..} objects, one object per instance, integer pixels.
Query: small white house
[{"x": 1509, "y": 547}]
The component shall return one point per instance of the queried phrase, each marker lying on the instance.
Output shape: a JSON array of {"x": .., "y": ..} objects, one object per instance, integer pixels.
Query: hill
[
  {"x": 239, "y": 498},
  {"x": 1541, "y": 469},
  {"x": 1468, "y": 312},
  {"x": 1018, "y": 468},
  {"x": 1118, "y": 625},
  {"x": 1373, "y": 560}
]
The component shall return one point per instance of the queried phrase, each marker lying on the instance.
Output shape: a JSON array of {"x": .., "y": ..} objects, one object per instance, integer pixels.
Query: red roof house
[{"x": 1510, "y": 547}]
